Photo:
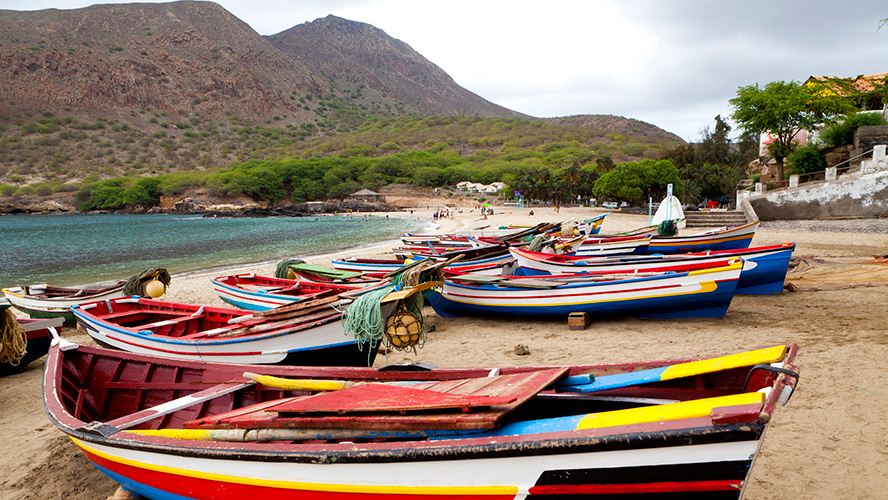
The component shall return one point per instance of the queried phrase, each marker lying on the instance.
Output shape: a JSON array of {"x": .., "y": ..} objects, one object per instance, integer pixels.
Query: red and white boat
[{"x": 175, "y": 429}]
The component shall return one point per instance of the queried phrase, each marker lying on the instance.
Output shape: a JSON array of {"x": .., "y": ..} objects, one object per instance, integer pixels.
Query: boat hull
[
  {"x": 37, "y": 306},
  {"x": 728, "y": 239},
  {"x": 764, "y": 271},
  {"x": 716, "y": 469},
  {"x": 696, "y": 294},
  {"x": 263, "y": 296},
  {"x": 39, "y": 335},
  {"x": 314, "y": 343}
]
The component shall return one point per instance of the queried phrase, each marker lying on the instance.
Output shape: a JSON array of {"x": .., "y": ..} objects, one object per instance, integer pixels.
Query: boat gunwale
[{"x": 144, "y": 334}]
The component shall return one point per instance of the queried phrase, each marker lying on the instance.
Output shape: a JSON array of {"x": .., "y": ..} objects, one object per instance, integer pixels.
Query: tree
[
  {"x": 636, "y": 181},
  {"x": 715, "y": 145},
  {"x": 783, "y": 109}
]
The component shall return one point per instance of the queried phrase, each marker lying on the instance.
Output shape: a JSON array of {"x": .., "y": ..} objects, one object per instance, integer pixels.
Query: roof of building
[
  {"x": 365, "y": 192},
  {"x": 851, "y": 85}
]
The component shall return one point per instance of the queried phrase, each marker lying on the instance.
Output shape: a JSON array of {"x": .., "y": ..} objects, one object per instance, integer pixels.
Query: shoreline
[{"x": 826, "y": 443}]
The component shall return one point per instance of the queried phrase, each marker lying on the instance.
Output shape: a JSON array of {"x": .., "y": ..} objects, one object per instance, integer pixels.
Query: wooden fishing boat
[
  {"x": 308, "y": 332},
  {"x": 489, "y": 255},
  {"x": 320, "y": 274},
  {"x": 597, "y": 246},
  {"x": 700, "y": 293},
  {"x": 47, "y": 301},
  {"x": 728, "y": 238},
  {"x": 261, "y": 293},
  {"x": 37, "y": 336},
  {"x": 368, "y": 265},
  {"x": 174, "y": 429},
  {"x": 764, "y": 269}
]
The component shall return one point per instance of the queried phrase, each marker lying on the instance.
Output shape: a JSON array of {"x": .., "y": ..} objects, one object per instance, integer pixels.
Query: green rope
[
  {"x": 536, "y": 244},
  {"x": 133, "y": 285},
  {"x": 667, "y": 228},
  {"x": 363, "y": 319},
  {"x": 283, "y": 266}
]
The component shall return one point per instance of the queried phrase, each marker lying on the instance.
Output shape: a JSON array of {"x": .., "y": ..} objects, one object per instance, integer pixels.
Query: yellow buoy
[
  {"x": 290, "y": 274},
  {"x": 403, "y": 329},
  {"x": 155, "y": 289}
]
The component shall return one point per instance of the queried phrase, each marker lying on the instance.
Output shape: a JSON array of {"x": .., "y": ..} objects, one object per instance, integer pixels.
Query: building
[{"x": 367, "y": 196}]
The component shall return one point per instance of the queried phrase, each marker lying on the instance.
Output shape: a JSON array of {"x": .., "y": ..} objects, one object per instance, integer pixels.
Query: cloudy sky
[{"x": 671, "y": 63}]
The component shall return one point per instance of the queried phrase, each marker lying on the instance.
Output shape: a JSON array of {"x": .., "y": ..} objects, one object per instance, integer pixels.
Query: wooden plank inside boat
[
  {"x": 381, "y": 398},
  {"x": 352, "y": 414}
]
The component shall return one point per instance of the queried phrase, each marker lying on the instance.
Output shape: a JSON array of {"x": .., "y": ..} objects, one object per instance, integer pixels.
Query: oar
[
  {"x": 133, "y": 419},
  {"x": 587, "y": 383},
  {"x": 293, "y": 384}
]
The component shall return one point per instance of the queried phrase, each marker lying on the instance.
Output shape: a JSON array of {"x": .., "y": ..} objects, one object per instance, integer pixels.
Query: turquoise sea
[{"x": 71, "y": 250}]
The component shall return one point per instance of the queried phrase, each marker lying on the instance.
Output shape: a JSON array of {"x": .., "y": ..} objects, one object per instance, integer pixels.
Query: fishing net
[
  {"x": 133, "y": 285},
  {"x": 419, "y": 273},
  {"x": 537, "y": 243},
  {"x": 283, "y": 267},
  {"x": 667, "y": 228},
  {"x": 403, "y": 329},
  {"x": 13, "y": 340}
]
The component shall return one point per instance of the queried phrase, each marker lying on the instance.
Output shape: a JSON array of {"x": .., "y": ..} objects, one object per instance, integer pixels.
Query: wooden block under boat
[{"x": 579, "y": 320}]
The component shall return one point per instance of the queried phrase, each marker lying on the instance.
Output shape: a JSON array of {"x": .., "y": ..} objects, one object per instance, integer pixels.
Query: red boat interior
[{"x": 98, "y": 387}]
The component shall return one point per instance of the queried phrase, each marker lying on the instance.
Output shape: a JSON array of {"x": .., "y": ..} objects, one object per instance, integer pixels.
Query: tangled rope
[
  {"x": 133, "y": 285},
  {"x": 537, "y": 243},
  {"x": 418, "y": 273},
  {"x": 667, "y": 228},
  {"x": 283, "y": 267},
  {"x": 13, "y": 340},
  {"x": 363, "y": 319}
]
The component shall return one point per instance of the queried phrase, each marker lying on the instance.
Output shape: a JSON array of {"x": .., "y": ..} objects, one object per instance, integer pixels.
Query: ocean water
[{"x": 72, "y": 250}]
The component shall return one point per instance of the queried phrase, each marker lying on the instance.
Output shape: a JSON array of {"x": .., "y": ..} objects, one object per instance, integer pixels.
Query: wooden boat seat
[
  {"x": 171, "y": 321},
  {"x": 131, "y": 316},
  {"x": 210, "y": 333}
]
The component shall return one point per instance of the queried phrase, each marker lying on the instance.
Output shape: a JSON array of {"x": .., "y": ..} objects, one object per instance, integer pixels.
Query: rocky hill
[
  {"x": 176, "y": 58},
  {"x": 139, "y": 89},
  {"x": 363, "y": 59},
  {"x": 610, "y": 123}
]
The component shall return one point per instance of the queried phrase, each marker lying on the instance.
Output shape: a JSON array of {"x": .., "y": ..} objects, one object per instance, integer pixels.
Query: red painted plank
[
  {"x": 519, "y": 387},
  {"x": 381, "y": 397}
]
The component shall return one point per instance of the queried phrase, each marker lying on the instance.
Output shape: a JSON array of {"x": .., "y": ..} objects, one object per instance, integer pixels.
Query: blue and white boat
[
  {"x": 700, "y": 293},
  {"x": 764, "y": 269}
]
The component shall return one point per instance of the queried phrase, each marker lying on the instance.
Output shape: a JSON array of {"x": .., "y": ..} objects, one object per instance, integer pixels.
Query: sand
[{"x": 829, "y": 442}]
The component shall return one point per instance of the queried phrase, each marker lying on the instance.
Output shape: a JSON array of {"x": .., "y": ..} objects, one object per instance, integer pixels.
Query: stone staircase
[{"x": 714, "y": 218}]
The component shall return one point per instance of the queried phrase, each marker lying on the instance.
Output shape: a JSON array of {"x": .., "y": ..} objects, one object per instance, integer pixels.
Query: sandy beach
[{"x": 828, "y": 443}]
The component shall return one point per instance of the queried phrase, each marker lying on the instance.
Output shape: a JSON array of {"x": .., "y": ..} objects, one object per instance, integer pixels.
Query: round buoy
[
  {"x": 290, "y": 274},
  {"x": 155, "y": 289},
  {"x": 403, "y": 329}
]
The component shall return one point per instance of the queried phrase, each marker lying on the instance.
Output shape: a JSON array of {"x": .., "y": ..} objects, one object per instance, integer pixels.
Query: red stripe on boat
[{"x": 610, "y": 489}]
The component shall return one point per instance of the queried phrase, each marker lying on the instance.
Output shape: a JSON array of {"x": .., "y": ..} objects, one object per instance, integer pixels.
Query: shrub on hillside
[{"x": 842, "y": 133}]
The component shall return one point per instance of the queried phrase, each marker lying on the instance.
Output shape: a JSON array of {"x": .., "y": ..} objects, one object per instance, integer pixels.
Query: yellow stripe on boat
[
  {"x": 750, "y": 358},
  {"x": 704, "y": 287},
  {"x": 296, "y": 485},
  {"x": 673, "y": 411}
]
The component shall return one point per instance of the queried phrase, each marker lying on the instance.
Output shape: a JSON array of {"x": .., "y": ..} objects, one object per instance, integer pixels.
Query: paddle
[{"x": 587, "y": 384}]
